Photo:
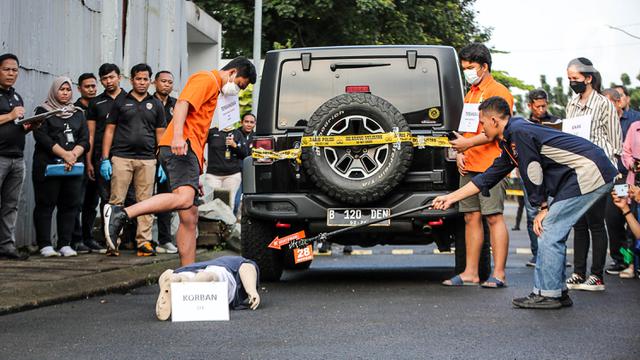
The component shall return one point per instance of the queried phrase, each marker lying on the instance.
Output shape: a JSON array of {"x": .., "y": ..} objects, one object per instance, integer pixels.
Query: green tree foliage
[
  {"x": 305, "y": 23},
  {"x": 510, "y": 82}
]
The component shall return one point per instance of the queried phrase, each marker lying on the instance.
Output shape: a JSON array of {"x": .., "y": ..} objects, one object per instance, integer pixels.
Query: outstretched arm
[{"x": 249, "y": 278}]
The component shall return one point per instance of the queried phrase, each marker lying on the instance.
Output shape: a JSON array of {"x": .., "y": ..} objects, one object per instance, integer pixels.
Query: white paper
[
  {"x": 579, "y": 126},
  {"x": 199, "y": 301},
  {"x": 470, "y": 118},
  {"x": 228, "y": 110}
]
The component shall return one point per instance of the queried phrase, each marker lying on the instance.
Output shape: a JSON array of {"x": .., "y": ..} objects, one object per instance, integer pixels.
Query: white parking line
[
  {"x": 362, "y": 252},
  {"x": 402, "y": 251}
]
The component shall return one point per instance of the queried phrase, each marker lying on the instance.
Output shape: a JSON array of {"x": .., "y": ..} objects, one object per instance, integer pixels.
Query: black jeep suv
[{"x": 342, "y": 91}]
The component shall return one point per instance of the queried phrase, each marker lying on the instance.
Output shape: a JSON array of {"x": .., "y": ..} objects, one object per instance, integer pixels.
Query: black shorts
[{"x": 180, "y": 170}]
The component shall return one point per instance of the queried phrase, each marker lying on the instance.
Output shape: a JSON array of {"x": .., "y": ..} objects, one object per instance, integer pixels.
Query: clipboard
[{"x": 58, "y": 170}]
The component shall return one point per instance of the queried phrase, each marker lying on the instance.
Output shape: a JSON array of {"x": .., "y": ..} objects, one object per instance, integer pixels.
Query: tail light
[
  {"x": 266, "y": 143},
  {"x": 350, "y": 89}
]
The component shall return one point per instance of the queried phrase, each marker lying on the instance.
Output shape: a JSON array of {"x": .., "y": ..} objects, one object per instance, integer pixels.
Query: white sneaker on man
[
  {"x": 67, "y": 251},
  {"x": 167, "y": 248},
  {"x": 48, "y": 251}
]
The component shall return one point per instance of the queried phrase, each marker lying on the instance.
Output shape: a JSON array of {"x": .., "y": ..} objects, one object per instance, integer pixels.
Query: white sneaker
[
  {"x": 628, "y": 273},
  {"x": 167, "y": 248},
  {"x": 67, "y": 251},
  {"x": 48, "y": 251}
]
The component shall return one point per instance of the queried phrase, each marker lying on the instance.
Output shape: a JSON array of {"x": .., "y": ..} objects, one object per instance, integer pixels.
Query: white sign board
[
  {"x": 228, "y": 111},
  {"x": 579, "y": 126},
  {"x": 199, "y": 301},
  {"x": 470, "y": 118}
]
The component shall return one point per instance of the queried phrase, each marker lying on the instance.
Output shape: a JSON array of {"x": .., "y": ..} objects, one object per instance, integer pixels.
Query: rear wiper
[{"x": 352, "y": 65}]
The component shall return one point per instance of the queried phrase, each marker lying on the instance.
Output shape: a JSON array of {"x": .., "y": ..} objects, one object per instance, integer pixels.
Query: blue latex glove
[
  {"x": 105, "y": 169},
  {"x": 162, "y": 177}
]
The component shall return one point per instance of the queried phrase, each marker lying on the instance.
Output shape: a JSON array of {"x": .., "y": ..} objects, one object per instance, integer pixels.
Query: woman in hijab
[{"x": 61, "y": 139}]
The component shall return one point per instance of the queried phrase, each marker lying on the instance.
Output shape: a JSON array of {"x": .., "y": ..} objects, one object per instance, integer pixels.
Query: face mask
[
  {"x": 231, "y": 88},
  {"x": 578, "y": 86},
  {"x": 471, "y": 76}
]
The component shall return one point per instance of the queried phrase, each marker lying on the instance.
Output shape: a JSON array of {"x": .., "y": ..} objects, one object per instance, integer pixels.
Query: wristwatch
[{"x": 543, "y": 207}]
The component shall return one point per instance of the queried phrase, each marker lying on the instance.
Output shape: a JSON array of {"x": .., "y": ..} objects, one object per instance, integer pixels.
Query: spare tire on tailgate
[{"x": 357, "y": 174}]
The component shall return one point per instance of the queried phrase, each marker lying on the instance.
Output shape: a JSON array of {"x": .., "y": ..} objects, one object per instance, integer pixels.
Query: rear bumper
[{"x": 312, "y": 210}]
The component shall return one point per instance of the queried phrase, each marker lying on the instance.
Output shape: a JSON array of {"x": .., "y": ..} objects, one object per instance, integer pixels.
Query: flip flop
[
  {"x": 493, "y": 283},
  {"x": 457, "y": 281}
]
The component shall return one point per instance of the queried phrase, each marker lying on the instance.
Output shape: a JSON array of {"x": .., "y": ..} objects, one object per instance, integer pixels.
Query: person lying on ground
[{"x": 240, "y": 274}]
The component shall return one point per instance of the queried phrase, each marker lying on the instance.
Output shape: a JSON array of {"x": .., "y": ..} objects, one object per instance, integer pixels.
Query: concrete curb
[{"x": 120, "y": 280}]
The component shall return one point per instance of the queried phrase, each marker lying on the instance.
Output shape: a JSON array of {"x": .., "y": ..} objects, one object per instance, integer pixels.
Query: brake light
[
  {"x": 438, "y": 222},
  {"x": 357, "y": 89},
  {"x": 263, "y": 143}
]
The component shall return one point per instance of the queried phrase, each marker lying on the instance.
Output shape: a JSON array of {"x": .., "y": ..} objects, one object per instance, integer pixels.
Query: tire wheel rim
[{"x": 356, "y": 162}]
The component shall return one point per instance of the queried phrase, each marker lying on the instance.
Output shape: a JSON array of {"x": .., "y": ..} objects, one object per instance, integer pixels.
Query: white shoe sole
[
  {"x": 50, "y": 255},
  {"x": 161, "y": 250},
  {"x": 106, "y": 210},
  {"x": 590, "y": 287},
  {"x": 573, "y": 286},
  {"x": 163, "y": 304}
]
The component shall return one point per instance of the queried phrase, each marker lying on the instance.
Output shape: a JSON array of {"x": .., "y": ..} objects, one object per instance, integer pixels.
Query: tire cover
[{"x": 358, "y": 187}]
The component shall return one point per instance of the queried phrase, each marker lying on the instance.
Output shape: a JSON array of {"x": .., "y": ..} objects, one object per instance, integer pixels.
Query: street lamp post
[{"x": 257, "y": 37}]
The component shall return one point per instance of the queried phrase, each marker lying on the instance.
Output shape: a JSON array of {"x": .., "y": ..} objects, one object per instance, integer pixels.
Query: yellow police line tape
[{"x": 419, "y": 141}]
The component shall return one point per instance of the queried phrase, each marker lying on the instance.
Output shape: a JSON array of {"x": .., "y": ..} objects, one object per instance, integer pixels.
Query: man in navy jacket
[{"x": 563, "y": 176}]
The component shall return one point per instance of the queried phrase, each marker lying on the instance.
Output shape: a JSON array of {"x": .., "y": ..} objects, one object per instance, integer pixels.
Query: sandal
[
  {"x": 493, "y": 283},
  {"x": 457, "y": 281}
]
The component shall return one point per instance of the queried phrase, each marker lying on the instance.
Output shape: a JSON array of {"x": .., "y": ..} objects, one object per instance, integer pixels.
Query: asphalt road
[{"x": 378, "y": 306}]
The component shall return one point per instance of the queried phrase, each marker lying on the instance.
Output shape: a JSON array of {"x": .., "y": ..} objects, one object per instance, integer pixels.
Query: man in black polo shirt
[
  {"x": 11, "y": 155},
  {"x": 134, "y": 125},
  {"x": 96, "y": 114},
  {"x": 164, "y": 86},
  {"x": 88, "y": 89}
]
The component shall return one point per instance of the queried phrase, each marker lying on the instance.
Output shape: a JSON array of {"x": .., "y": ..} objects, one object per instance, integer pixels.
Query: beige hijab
[{"x": 52, "y": 103}]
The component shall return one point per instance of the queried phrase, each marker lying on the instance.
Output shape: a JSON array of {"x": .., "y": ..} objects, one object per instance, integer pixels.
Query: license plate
[{"x": 349, "y": 217}]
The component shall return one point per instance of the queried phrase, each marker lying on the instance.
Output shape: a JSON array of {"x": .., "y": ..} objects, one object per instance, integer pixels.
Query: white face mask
[
  {"x": 231, "y": 88},
  {"x": 471, "y": 75}
]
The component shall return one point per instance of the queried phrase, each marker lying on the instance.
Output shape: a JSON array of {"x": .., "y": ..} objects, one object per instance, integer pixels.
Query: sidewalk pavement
[{"x": 44, "y": 281}]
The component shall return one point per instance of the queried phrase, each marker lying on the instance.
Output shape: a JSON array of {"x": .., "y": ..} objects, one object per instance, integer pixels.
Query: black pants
[
  {"x": 592, "y": 221},
  {"x": 95, "y": 191},
  {"x": 63, "y": 193},
  {"x": 616, "y": 231},
  {"x": 164, "y": 219},
  {"x": 519, "y": 211},
  {"x": 77, "y": 236}
]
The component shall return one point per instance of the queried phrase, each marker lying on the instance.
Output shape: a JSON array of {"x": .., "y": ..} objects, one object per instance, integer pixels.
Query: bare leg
[
  {"x": 499, "y": 244},
  {"x": 180, "y": 198},
  {"x": 186, "y": 235},
  {"x": 474, "y": 236}
]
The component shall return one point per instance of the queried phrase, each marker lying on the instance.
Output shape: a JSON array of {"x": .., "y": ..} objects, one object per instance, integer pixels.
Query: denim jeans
[{"x": 549, "y": 276}]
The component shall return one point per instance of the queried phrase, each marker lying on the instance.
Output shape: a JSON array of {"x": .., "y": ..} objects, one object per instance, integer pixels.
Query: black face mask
[{"x": 578, "y": 86}]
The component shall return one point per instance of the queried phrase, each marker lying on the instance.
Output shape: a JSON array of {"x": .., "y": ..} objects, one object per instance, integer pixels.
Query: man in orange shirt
[
  {"x": 181, "y": 154},
  {"x": 476, "y": 153}
]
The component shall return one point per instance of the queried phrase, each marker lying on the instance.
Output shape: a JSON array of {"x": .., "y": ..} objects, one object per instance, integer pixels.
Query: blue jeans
[{"x": 549, "y": 276}]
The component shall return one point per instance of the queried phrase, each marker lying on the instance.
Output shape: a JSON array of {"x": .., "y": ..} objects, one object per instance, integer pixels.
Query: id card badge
[{"x": 470, "y": 118}]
